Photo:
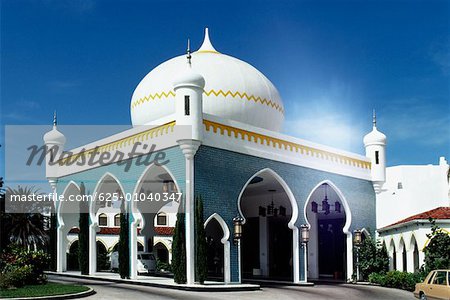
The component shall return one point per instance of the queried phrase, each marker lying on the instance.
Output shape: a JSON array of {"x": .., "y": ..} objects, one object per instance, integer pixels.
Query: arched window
[
  {"x": 117, "y": 220},
  {"x": 103, "y": 220},
  {"x": 161, "y": 219}
]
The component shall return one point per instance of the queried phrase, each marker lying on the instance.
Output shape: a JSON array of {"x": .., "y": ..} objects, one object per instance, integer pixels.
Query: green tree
[
  {"x": 83, "y": 235},
  {"x": 373, "y": 258},
  {"x": 24, "y": 223},
  {"x": 201, "y": 266},
  {"x": 179, "y": 250},
  {"x": 437, "y": 252},
  {"x": 124, "y": 241}
]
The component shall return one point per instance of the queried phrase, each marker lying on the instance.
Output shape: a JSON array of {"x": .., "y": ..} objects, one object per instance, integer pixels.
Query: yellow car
[{"x": 435, "y": 286}]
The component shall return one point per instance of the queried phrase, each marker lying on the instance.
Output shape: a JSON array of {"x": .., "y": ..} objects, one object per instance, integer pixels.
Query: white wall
[{"x": 424, "y": 188}]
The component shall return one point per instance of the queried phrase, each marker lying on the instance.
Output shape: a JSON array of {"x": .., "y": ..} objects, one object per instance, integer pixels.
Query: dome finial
[
  {"x": 374, "y": 118},
  {"x": 55, "y": 122},
  {"x": 207, "y": 46},
  {"x": 188, "y": 52}
]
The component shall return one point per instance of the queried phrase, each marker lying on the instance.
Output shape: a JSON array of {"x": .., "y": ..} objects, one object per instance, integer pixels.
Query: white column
[
  {"x": 60, "y": 252},
  {"x": 133, "y": 250},
  {"x": 410, "y": 260},
  {"x": 239, "y": 261},
  {"x": 189, "y": 148},
  {"x": 60, "y": 238},
  {"x": 399, "y": 256},
  {"x": 92, "y": 248},
  {"x": 226, "y": 262},
  {"x": 296, "y": 257},
  {"x": 349, "y": 255}
]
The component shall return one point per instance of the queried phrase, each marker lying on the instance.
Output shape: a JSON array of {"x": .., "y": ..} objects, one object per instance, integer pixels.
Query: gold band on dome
[
  {"x": 240, "y": 95},
  {"x": 152, "y": 97}
]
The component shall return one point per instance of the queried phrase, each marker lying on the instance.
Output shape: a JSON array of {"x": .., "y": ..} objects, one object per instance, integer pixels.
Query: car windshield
[{"x": 147, "y": 256}]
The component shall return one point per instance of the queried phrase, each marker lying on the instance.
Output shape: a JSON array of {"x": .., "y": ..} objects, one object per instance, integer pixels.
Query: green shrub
[
  {"x": 16, "y": 276},
  {"x": 396, "y": 279},
  {"x": 437, "y": 252},
  {"x": 29, "y": 265},
  {"x": 373, "y": 258}
]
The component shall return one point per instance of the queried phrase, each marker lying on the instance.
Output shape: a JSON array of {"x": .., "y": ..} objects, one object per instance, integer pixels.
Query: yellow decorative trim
[
  {"x": 126, "y": 141},
  {"x": 240, "y": 95},
  {"x": 207, "y": 51},
  {"x": 249, "y": 98},
  {"x": 284, "y": 145},
  {"x": 152, "y": 97}
]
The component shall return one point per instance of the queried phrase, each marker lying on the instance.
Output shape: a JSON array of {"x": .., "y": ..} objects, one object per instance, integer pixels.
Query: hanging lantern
[
  {"x": 237, "y": 222},
  {"x": 358, "y": 237},
  {"x": 337, "y": 207},
  {"x": 314, "y": 207},
  {"x": 304, "y": 233}
]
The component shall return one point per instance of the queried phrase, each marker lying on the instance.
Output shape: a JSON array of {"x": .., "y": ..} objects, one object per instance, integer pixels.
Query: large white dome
[{"x": 233, "y": 90}]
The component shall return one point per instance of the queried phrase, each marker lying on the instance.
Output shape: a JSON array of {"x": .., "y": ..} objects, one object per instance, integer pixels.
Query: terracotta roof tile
[
  {"x": 104, "y": 230},
  {"x": 440, "y": 213},
  {"x": 162, "y": 230}
]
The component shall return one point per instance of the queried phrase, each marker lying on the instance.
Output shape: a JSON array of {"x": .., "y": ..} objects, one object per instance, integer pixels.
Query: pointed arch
[
  {"x": 348, "y": 213},
  {"x": 286, "y": 189},
  {"x": 346, "y": 227},
  {"x": 61, "y": 204},
  {"x": 226, "y": 245},
  {"x": 291, "y": 223},
  {"x": 98, "y": 186},
  {"x": 137, "y": 218}
]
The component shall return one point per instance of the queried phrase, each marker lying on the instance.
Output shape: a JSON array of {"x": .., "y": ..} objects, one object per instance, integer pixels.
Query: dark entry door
[{"x": 332, "y": 249}]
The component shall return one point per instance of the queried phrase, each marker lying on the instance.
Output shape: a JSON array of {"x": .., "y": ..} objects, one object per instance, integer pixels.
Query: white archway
[
  {"x": 138, "y": 220},
  {"x": 345, "y": 229},
  {"x": 291, "y": 224},
  {"x": 72, "y": 188},
  {"x": 94, "y": 227},
  {"x": 226, "y": 245}
]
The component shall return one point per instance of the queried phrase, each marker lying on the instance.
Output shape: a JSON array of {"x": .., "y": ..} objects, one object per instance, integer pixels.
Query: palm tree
[{"x": 24, "y": 222}]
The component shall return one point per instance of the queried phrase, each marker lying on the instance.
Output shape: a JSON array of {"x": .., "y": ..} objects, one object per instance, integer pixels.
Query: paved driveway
[{"x": 111, "y": 291}]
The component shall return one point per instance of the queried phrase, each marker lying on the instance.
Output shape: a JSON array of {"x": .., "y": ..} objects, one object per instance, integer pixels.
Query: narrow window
[
  {"x": 187, "y": 109},
  {"x": 377, "y": 157},
  {"x": 117, "y": 220},
  {"x": 399, "y": 185}
]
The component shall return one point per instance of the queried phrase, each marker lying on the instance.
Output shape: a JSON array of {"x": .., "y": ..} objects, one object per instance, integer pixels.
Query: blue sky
[{"x": 332, "y": 61}]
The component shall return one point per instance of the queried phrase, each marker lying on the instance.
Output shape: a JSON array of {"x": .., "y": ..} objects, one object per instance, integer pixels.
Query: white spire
[
  {"x": 374, "y": 119},
  {"x": 188, "y": 52},
  {"x": 207, "y": 46},
  {"x": 55, "y": 122}
]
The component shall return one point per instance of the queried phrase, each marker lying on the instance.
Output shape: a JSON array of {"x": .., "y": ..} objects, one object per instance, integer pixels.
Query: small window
[
  {"x": 103, "y": 220},
  {"x": 377, "y": 157},
  {"x": 187, "y": 108},
  {"x": 440, "y": 278},
  {"x": 117, "y": 220},
  {"x": 161, "y": 219},
  {"x": 400, "y": 186}
]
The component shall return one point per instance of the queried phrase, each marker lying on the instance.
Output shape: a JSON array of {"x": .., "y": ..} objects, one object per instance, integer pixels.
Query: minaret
[
  {"x": 375, "y": 144},
  {"x": 188, "y": 88},
  {"x": 54, "y": 143},
  {"x": 189, "y": 112}
]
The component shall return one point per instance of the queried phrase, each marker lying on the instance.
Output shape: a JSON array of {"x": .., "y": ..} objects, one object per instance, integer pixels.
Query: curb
[
  {"x": 84, "y": 294},
  {"x": 192, "y": 288}
]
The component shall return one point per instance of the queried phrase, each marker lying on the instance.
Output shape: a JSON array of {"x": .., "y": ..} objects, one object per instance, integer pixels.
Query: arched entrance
[
  {"x": 104, "y": 208},
  {"x": 72, "y": 257},
  {"x": 329, "y": 251},
  {"x": 415, "y": 254},
  {"x": 269, "y": 244},
  {"x": 392, "y": 256},
  {"x": 161, "y": 252},
  {"x": 218, "y": 252},
  {"x": 68, "y": 215},
  {"x": 103, "y": 263},
  {"x": 156, "y": 188}
]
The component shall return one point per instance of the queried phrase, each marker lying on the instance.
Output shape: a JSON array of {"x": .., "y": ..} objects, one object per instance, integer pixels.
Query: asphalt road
[{"x": 111, "y": 291}]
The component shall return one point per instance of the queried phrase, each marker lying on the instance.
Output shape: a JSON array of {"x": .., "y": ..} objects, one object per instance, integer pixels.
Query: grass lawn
[{"x": 48, "y": 289}]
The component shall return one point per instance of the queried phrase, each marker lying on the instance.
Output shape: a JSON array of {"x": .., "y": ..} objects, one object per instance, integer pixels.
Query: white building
[{"x": 410, "y": 196}]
